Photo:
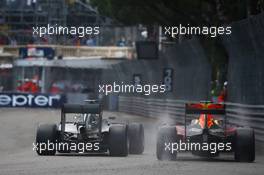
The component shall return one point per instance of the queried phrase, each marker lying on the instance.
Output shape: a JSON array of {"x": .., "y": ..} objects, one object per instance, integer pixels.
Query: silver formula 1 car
[{"x": 82, "y": 129}]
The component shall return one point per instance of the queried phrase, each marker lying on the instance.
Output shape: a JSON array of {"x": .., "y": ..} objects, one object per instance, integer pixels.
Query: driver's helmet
[
  {"x": 93, "y": 118},
  {"x": 91, "y": 121}
]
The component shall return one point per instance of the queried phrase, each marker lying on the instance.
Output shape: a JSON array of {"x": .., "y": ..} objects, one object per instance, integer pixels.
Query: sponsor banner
[
  {"x": 31, "y": 100},
  {"x": 39, "y": 52}
]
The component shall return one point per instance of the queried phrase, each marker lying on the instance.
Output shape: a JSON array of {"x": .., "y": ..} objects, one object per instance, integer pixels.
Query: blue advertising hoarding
[{"x": 31, "y": 100}]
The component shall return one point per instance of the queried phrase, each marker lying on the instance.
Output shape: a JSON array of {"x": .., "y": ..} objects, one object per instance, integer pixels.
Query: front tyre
[
  {"x": 166, "y": 135},
  {"x": 136, "y": 138}
]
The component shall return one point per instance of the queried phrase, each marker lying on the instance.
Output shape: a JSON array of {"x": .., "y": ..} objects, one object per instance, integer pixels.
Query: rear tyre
[
  {"x": 46, "y": 139},
  {"x": 118, "y": 140},
  {"x": 166, "y": 135},
  {"x": 245, "y": 145},
  {"x": 136, "y": 138}
]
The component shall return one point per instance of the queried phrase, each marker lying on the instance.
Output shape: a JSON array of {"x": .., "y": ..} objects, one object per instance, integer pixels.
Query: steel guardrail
[{"x": 237, "y": 114}]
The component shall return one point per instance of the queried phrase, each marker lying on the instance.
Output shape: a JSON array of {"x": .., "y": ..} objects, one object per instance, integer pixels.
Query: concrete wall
[{"x": 246, "y": 61}]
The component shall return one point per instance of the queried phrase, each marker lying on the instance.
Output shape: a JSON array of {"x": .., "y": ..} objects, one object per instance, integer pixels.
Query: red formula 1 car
[{"x": 205, "y": 133}]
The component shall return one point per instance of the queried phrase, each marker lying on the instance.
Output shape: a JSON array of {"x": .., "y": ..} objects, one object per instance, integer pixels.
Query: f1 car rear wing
[
  {"x": 82, "y": 109},
  {"x": 204, "y": 108}
]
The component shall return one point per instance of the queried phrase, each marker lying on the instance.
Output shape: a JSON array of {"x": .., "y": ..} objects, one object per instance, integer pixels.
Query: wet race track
[{"x": 18, "y": 127}]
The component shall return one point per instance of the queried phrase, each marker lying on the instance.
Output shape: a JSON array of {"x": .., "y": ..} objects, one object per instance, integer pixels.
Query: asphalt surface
[{"x": 18, "y": 127}]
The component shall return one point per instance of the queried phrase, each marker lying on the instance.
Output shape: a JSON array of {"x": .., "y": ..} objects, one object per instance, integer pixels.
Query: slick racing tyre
[
  {"x": 245, "y": 145},
  {"x": 46, "y": 139},
  {"x": 166, "y": 135},
  {"x": 136, "y": 138},
  {"x": 118, "y": 140}
]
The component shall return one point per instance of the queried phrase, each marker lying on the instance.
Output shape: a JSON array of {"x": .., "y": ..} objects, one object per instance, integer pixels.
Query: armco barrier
[
  {"x": 247, "y": 115},
  {"x": 237, "y": 114},
  {"x": 154, "y": 108}
]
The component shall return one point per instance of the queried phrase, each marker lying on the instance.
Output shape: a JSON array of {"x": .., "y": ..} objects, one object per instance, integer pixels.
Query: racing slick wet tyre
[
  {"x": 118, "y": 140},
  {"x": 136, "y": 138},
  {"x": 46, "y": 139},
  {"x": 245, "y": 145},
  {"x": 166, "y": 136}
]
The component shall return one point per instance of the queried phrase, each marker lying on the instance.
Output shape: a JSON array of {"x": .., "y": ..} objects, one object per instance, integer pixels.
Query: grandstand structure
[{"x": 17, "y": 17}]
